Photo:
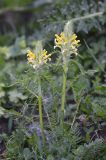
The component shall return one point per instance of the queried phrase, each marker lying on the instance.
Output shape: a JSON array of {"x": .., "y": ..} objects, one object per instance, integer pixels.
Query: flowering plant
[{"x": 68, "y": 46}]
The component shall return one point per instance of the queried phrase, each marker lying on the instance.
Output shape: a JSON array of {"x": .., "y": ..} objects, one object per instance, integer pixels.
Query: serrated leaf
[
  {"x": 100, "y": 111},
  {"x": 15, "y": 96},
  {"x": 101, "y": 89},
  {"x": 80, "y": 87}
]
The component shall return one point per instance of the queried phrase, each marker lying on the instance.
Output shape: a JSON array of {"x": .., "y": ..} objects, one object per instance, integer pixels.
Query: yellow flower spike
[
  {"x": 66, "y": 43},
  {"x": 38, "y": 61}
]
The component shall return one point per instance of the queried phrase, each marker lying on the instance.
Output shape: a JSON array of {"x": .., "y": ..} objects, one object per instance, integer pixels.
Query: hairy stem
[
  {"x": 40, "y": 111},
  {"x": 63, "y": 93}
]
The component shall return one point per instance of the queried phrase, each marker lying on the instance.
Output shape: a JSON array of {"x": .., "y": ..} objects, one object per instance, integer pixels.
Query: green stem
[
  {"x": 63, "y": 93},
  {"x": 75, "y": 116},
  {"x": 40, "y": 111}
]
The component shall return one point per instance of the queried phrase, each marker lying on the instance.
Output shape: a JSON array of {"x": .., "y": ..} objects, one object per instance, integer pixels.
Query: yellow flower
[
  {"x": 45, "y": 56},
  {"x": 74, "y": 41},
  {"x": 37, "y": 60},
  {"x": 60, "y": 40},
  {"x": 66, "y": 43},
  {"x": 30, "y": 56},
  {"x": 73, "y": 38}
]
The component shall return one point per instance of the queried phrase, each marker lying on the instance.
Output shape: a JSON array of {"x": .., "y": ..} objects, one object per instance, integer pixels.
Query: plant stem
[
  {"x": 40, "y": 111},
  {"x": 63, "y": 92},
  {"x": 75, "y": 116}
]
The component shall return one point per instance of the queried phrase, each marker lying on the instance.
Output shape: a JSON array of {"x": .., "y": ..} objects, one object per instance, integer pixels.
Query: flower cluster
[
  {"x": 37, "y": 60},
  {"x": 66, "y": 43}
]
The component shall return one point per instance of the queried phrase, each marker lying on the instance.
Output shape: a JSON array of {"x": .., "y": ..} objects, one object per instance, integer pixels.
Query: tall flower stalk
[
  {"x": 40, "y": 110},
  {"x": 37, "y": 61},
  {"x": 63, "y": 99},
  {"x": 68, "y": 45}
]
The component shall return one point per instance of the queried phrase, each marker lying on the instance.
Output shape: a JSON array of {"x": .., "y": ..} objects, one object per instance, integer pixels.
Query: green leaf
[
  {"x": 101, "y": 90},
  {"x": 80, "y": 86},
  {"x": 99, "y": 110},
  {"x": 15, "y": 96},
  {"x": 27, "y": 154},
  {"x": 50, "y": 157},
  {"x": 2, "y": 111}
]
